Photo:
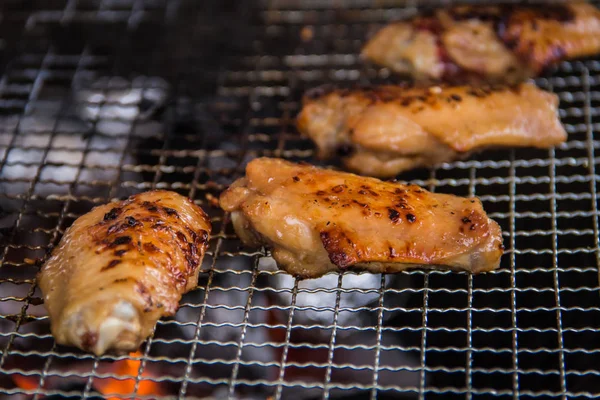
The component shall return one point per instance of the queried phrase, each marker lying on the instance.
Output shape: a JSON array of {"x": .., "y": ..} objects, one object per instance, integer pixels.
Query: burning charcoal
[
  {"x": 314, "y": 309},
  {"x": 221, "y": 326},
  {"x": 114, "y": 103}
]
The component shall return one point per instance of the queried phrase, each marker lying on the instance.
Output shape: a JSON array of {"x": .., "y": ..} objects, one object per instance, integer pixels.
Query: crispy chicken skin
[
  {"x": 499, "y": 42},
  {"x": 121, "y": 267},
  {"x": 317, "y": 220},
  {"x": 382, "y": 131}
]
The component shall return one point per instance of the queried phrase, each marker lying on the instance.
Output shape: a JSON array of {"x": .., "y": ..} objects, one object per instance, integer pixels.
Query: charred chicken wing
[
  {"x": 121, "y": 267},
  {"x": 385, "y": 130},
  {"x": 317, "y": 220},
  {"x": 498, "y": 42}
]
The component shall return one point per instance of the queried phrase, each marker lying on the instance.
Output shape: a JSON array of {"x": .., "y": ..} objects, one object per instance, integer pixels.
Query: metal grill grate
[{"x": 236, "y": 74}]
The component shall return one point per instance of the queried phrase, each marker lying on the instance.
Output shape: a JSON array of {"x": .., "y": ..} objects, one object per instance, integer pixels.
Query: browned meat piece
[
  {"x": 499, "y": 43},
  {"x": 382, "y": 131},
  {"x": 318, "y": 220},
  {"x": 121, "y": 267}
]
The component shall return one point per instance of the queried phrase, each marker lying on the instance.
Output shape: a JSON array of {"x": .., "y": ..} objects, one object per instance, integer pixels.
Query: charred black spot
[
  {"x": 120, "y": 253},
  {"x": 132, "y": 221},
  {"x": 181, "y": 236},
  {"x": 393, "y": 215},
  {"x": 363, "y": 205},
  {"x": 296, "y": 179},
  {"x": 122, "y": 240},
  {"x": 411, "y": 218},
  {"x": 112, "y": 214},
  {"x": 472, "y": 227},
  {"x": 111, "y": 264},
  {"x": 455, "y": 97},
  {"x": 337, "y": 189},
  {"x": 149, "y": 206},
  {"x": 362, "y": 191},
  {"x": 466, "y": 220},
  {"x": 171, "y": 211}
]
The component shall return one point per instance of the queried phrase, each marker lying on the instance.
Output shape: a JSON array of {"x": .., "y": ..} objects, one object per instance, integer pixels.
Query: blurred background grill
[{"x": 101, "y": 99}]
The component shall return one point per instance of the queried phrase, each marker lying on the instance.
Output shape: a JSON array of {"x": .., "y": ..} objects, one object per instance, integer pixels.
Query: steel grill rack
[{"x": 101, "y": 99}]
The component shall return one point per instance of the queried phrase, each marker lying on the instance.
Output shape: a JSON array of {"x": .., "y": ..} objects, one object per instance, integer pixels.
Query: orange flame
[{"x": 125, "y": 385}]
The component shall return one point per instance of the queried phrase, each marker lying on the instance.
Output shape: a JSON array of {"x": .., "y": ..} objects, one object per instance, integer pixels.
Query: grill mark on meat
[
  {"x": 171, "y": 212},
  {"x": 335, "y": 249},
  {"x": 149, "y": 206},
  {"x": 111, "y": 264},
  {"x": 150, "y": 248},
  {"x": 132, "y": 221},
  {"x": 121, "y": 240},
  {"x": 504, "y": 18},
  {"x": 112, "y": 214},
  {"x": 393, "y": 215}
]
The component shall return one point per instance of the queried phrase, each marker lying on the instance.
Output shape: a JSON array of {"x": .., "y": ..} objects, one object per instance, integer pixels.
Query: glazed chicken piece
[
  {"x": 121, "y": 267},
  {"x": 317, "y": 220},
  {"x": 493, "y": 43},
  {"x": 382, "y": 131}
]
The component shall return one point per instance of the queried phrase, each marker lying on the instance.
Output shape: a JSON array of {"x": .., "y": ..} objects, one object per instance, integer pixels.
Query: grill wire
[{"x": 236, "y": 72}]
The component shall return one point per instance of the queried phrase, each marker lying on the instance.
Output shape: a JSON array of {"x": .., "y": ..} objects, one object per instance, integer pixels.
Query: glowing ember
[
  {"x": 125, "y": 385},
  {"x": 125, "y": 372},
  {"x": 26, "y": 382}
]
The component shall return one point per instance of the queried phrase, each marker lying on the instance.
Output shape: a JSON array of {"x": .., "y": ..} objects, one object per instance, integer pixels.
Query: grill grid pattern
[{"x": 529, "y": 329}]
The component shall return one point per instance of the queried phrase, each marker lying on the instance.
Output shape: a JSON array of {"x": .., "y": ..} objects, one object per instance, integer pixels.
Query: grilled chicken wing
[
  {"x": 500, "y": 43},
  {"x": 318, "y": 220},
  {"x": 121, "y": 267},
  {"x": 385, "y": 130}
]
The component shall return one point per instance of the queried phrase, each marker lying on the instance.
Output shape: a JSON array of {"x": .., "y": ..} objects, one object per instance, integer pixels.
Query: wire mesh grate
[{"x": 231, "y": 77}]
